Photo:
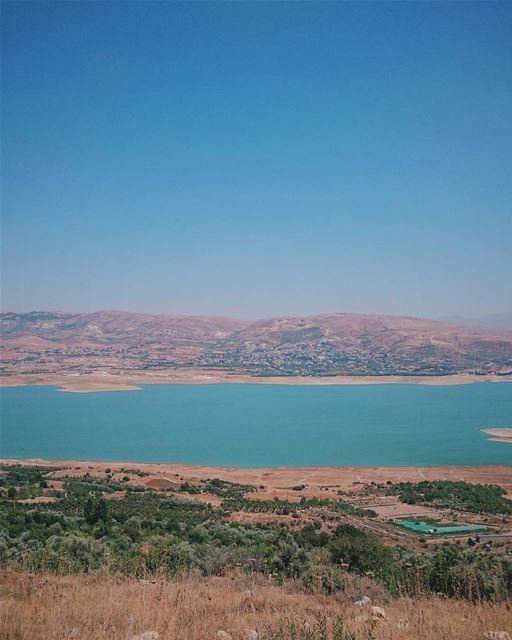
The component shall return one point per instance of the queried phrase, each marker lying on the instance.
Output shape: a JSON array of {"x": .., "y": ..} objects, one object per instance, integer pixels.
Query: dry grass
[{"x": 97, "y": 608}]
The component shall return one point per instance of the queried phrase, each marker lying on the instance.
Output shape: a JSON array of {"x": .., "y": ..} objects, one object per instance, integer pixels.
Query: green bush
[
  {"x": 364, "y": 554},
  {"x": 464, "y": 496}
]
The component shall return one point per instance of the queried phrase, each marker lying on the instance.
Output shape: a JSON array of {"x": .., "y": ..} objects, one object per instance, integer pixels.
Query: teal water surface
[{"x": 261, "y": 425}]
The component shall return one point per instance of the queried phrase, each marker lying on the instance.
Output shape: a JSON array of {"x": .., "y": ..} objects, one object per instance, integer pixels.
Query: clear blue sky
[{"x": 257, "y": 159}]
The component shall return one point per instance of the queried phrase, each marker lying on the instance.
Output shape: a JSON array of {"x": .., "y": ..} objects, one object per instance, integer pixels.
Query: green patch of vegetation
[
  {"x": 133, "y": 472},
  {"x": 82, "y": 485},
  {"x": 22, "y": 483},
  {"x": 190, "y": 488},
  {"x": 287, "y": 507},
  {"x": 225, "y": 489},
  {"x": 431, "y": 521},
  {"x": 150, "y": 532},
  {"x": 459, "y": 495},
  {"x": 20, "y": 475},
  {"x": 364, "y": 554}
]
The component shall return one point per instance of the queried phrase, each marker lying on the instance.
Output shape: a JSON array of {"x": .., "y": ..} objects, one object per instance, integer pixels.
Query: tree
[
  {"x": 101, "y": 511},
  {"x": 89, "y": 511},
  {"x": 95, "y": 510}
]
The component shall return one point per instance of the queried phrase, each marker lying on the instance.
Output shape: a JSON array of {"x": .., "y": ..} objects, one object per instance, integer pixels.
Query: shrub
[{"x": 364, "y": 553}]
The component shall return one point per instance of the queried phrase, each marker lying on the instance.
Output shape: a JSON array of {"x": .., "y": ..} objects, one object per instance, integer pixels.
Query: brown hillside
[
  {"x": 96, "y": 608},
  {"x": 331, "y": 344}
]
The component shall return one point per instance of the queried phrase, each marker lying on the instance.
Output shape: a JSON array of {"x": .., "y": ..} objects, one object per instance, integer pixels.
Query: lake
[{"x": 261, "y": 425}]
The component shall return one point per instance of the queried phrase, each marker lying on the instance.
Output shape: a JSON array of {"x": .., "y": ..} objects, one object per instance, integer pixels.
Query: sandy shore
[
  {"x": 284, "y": 478},
  {"x": 503, "y": 434},
  {"x": 132, "y": 382}
]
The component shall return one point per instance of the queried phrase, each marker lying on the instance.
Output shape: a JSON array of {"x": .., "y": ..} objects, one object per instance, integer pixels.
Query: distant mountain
[
  {"x": 331, "y": 344},
  {"x": 111, "y": 338},
  {"x": 494, "y": 320}
]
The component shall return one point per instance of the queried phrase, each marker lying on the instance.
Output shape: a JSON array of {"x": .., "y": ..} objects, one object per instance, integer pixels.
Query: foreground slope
[
  {"x": 59, "y": 608},
  {"x": 95, "y": 551}
]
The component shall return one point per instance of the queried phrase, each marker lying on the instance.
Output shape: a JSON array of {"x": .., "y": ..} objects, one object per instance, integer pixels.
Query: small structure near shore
[{"x": 435, "y": 529}]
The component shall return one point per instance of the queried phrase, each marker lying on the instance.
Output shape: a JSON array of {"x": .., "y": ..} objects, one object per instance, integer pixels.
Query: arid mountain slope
[
  {"x": 329, "y": 344},
  {"x": 361, "y": 344},
  {"x": 39, "y": 342}
]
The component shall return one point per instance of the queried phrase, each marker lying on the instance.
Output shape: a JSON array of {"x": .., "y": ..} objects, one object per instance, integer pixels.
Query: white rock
[
  {"x": 496, "y": 635},
  {"x": 224, "y": 635},
  {"x": 362, "y": 601},
  {"x": 251, "y": 634},
  {"x": 378, "y": 612},
  {"x": 147, "y": 635}
]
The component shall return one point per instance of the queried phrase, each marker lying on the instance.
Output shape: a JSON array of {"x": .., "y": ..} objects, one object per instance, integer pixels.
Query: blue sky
[{"x": 257, "y": 159}]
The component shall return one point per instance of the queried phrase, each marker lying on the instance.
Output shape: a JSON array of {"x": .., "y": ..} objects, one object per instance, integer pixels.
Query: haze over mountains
[
  {"x": 493, "y": 320},
  {"x": 117, "y": 342}
]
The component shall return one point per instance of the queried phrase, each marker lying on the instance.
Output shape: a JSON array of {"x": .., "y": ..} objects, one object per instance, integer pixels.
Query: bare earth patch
[{"x": 89, "y": 383}]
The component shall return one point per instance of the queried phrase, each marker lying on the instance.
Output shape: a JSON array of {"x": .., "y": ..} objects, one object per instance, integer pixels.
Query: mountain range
[{"x": 117, "y": 342}]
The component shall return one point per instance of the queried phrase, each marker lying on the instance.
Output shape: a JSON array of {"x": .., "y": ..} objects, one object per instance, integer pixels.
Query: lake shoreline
[
  {"x": 283, "y": 478},
  {"x": 108, "y": 382}
]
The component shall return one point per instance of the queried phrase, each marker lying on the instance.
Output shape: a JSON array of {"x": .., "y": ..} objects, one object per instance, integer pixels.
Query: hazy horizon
[
  {"x": 254, "y": 160},
  {"x": 505, "y": 316}
]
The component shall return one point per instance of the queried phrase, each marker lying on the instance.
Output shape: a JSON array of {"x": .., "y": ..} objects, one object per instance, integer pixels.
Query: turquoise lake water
[{"x": 261, "y": 425}]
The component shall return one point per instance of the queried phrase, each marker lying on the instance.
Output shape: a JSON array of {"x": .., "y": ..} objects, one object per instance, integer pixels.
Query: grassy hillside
[
  {"x": 96, "y": 608},
  {"x": 112, "y": 555}
]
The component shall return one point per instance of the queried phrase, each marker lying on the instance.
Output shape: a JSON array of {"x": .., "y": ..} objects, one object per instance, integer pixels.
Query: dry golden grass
[{"x": 100, "y": 608}]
